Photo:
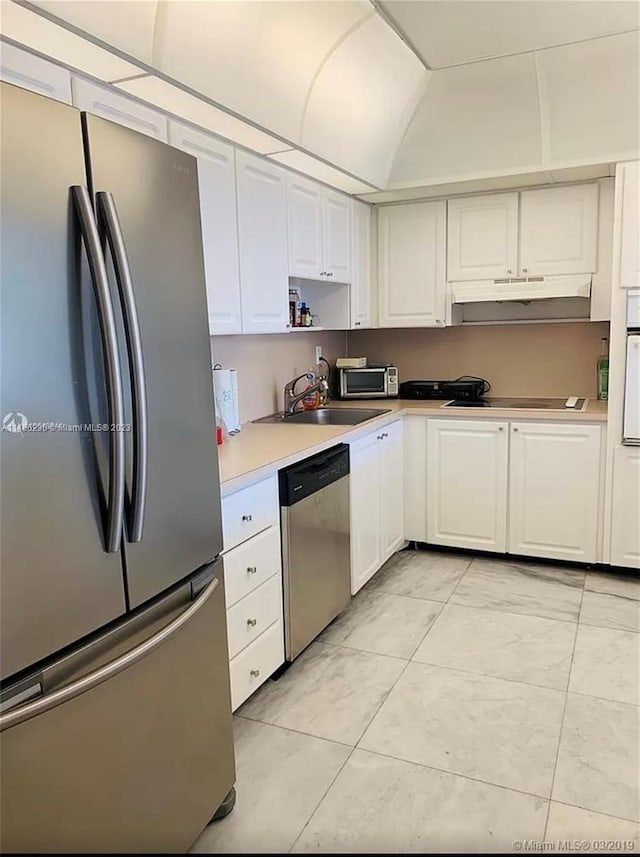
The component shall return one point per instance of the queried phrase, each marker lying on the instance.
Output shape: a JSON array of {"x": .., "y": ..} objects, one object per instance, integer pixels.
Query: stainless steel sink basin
[{"x": 326, "y": 417}]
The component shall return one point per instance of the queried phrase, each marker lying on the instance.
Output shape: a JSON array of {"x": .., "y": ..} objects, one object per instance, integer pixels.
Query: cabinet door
[
  {"x": 467, "y": 484},
  {"x": 415, "y": 478},
  {"x": 29, "y": 72},
  {"x": 304, "y": 215},
  {"x": 118, "y": 108},
  {"x": 625, "y": 510},
  {"x": 554, "y": 476},
  {"x": 217, "y": 187},
  {"x": 628, "y": 179},
  {"x": 361, "y": 273},
  {"x": 411, "y": 244},
  {"x": 559, "y": 230},
  {"x": 336, "y": 236},
  {"x": 392, "y": 489},
  {"x": 365, "y": 482},
  {"x": 482, "y": 237},
  {"x": 262, "y": 228}
]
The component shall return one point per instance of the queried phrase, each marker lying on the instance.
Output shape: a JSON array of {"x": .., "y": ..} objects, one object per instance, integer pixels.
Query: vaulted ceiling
[{"x": 391, "y": 94}]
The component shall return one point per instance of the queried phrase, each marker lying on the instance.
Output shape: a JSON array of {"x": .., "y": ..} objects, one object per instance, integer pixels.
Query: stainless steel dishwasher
[{"x": 316, "y": 545}]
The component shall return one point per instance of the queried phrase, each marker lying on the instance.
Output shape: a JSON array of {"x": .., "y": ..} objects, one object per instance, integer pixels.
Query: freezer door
[
  {"x": 153, "y": 192},
  {"x": 132, "y": 747},
  {"x": 58, "y": 583},
  {"x": 632, "y": 392}
]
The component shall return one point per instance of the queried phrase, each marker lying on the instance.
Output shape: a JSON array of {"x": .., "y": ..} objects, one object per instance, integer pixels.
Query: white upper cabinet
[
  {"x": 361, "y": 285},
  {"x": 411, "y": 265},
  {"x": 217, "y": 186},
  {"x": 31, "y": 72},
  {"x": 628, "y": 180},
  {"x": 467, "y": 484},
  {"x": 262, "y": 235},
  {"x": 319, "y": 221},
  {"x": 336, "y": 236},
  {"x": 625, "y": 509},
  {"x": 118, "y": 108},
  {"x": 554, "y": 493},
  {"x": 559, "y": 230},
  {"x": 304, "y": 212},
  {"x": 482, "y": 237}
]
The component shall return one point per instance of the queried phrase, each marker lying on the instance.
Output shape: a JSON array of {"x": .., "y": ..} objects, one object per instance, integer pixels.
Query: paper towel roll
[{"x": 225, "y": 385}]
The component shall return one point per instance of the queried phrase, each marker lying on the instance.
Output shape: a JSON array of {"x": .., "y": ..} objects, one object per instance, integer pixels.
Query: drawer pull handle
[
  {"x": 252, "y": 569},
  {"x": 247, "y": 517},
  {"x": 252, "y": 623},
  {"x": 254, "y": 673}
]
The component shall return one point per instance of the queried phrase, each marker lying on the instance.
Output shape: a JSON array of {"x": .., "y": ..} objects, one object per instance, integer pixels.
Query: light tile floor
[{"x": 458, "y": 704}]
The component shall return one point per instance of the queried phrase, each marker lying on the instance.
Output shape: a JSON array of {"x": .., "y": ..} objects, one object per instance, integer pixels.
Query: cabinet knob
[
  {"x": 254, "y": 673},
  {"x": 329, "y": 273},
  {"x": 252, "y": 569},
  {"x": 515, "y": 429},
  {"x": 252, "y": 623},
  {"x": 247, "y": 517},
  {"x": 509, "y": 271},
  {"x": 500, "y": 428},
  {"x": 378, "y": 437},
  {"x": 384, "y": 434},
  {"x": 323, "y": 273},
  {"x": 356, "y": 324},
  {"x": 525, "y": 270}
]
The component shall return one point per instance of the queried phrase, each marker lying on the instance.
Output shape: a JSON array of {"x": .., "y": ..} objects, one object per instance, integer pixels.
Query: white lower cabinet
[
  {"x": 253, "y": 586},
  {"x": 554, "y": 490},
  {"x": 377, "y": 501},
  {"x": 625, "y": 509},
  {"x": 392, "y": 493},
  {"x": 467, "y": 484},
  {"x": 253, "y": 666}
]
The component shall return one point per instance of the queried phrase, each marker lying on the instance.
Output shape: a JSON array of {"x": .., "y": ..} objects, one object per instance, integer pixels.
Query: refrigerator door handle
[
  {"x": 109, "y": 220},
  {"x": 31, "y": 709},
  {"x": 109, "y": 338}
]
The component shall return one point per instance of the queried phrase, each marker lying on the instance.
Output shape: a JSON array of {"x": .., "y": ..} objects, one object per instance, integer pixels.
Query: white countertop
[{"x": 262, "y": 448}]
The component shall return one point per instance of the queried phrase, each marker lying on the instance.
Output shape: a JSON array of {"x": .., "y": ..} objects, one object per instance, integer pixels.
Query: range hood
[{"x": 522, "y": 289}]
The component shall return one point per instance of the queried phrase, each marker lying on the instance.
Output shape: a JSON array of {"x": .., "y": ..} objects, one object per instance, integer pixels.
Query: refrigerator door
[
  {"x": 632, "y": 392},
  {"x": 131, "y": 747},
  {"x": 152, "y": 190},
  {"x": 58, "y": 581}
]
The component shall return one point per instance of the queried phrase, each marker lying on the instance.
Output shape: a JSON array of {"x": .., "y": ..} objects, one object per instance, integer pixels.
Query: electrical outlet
[{"x": 318, "y": 353}]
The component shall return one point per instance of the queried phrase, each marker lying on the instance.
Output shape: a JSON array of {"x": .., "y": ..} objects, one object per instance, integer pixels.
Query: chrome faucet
[{"x": 291, "y": 399}]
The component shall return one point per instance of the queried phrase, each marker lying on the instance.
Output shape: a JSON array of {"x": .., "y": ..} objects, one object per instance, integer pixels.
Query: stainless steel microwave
[{"x": 372, "y": 383}]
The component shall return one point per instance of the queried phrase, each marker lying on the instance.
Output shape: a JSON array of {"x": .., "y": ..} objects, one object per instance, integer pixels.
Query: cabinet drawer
[
  {"x": 253, "y": 666},
  {"x": 248, "y": 566},
  {"x": 250, "y": 617},
  {"x": 249, "y": 511}
]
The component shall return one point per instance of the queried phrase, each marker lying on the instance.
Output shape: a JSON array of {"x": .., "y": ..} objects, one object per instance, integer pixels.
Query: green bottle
[{"x": 603, "y": 371}]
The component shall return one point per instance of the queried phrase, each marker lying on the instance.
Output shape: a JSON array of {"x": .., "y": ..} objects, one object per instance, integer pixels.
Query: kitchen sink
[{"x": 326, "y": 416}]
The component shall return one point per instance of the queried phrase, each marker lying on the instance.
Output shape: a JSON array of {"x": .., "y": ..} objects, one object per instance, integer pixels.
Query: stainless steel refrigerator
[{"x": 116, "y": 718}]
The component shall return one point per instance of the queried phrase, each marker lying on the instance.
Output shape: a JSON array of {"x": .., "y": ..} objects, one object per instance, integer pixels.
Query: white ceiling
[{"x": 452, "y": 32}]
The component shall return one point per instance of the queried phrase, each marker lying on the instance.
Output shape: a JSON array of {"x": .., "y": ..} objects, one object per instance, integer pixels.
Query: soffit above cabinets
[
  {"x": 445, "y": 33},
  {"x": 47, "y": 38},
  {"x": 182, "y": 104},
  {"x": 303, "y": 163}
]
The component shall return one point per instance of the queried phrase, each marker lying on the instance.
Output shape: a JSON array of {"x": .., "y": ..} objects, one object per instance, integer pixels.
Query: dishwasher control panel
[{"x": 306, "y": 477}]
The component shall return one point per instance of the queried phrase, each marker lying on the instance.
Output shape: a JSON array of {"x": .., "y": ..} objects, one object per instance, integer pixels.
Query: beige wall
[
  {"x": 266, "y": 363},
  {"x": 519, "y": 360}
]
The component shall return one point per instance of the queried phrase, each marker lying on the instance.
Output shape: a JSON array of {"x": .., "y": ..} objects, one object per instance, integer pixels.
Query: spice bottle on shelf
[{"x": 603, "y": 371}]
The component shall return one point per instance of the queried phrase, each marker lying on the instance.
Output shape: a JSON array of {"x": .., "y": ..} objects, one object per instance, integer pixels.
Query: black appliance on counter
[{"x": 467, "y": 388}]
